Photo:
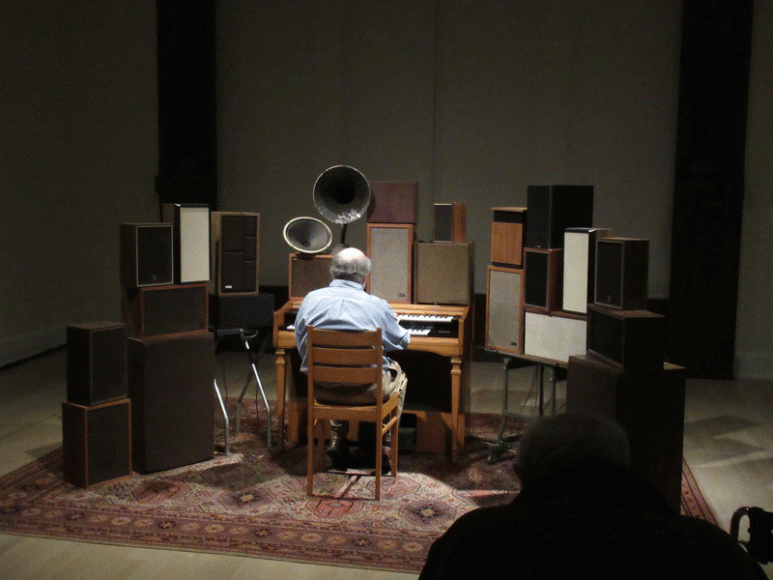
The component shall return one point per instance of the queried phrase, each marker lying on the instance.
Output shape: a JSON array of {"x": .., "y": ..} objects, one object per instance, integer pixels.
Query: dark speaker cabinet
[
  {"x": 507, "y": 236},
  {"x": 96, "y": 362},
  {"x": 450, "y": 223},
  {"x": 504, "y": 310},
  {"x": 622, "y": 269},
  {"x": 554, "y": 208},
  {"x": 394, "y": 202},
  {"x": 308, "y": 272},
  {"x": 145, "y": 254},
  {"x": 390, "y": 248},
  {"x": 96, "y": 442},
  {"x": 241, "y": 312},
  {"x": 649, "y": 407},
  {"x": 543, "y": 283},
  {"x": 191, "y": 240},
  {"x": 165, "y": 310},
  {"x": 629, "y": 340},
  {"x": 236, "y": 246},
  {"x": 171, "y": 388}
]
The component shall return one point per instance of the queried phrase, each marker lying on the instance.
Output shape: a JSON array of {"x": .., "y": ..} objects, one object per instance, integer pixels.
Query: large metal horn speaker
[
  {"x": 308, "y": 235},
  {"x": 341, "y": 194}
]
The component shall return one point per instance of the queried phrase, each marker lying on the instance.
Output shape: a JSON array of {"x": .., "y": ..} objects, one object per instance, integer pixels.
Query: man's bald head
[{"x": 350, "y": 264}]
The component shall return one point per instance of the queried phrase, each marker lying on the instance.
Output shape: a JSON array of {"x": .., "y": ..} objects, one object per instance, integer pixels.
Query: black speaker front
[
  {"x": 166, "y": 310},
  {"x": 146, "y": 254},
  {"x": 622, "y": 268},
  {"x": 543, "y": 279},
  {"x": 96, "y": 362},
  {"x": 241, "y": 312},
  {"x": 554, "y": 208},
  {"x": 235, "y": 239}
]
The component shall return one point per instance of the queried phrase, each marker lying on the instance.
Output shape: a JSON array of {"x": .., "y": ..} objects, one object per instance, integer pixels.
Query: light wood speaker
[
  {"x": 444, "y": 273},
  {"x": 308, "y": 272},
  {"x": 390, "y": 248},
  {"x": 507, "y": 232},
  {"x": 504, "y": 302}
]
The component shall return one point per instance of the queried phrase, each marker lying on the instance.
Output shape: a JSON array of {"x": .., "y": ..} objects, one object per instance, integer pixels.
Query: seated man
[
  {"x": 344, "y": 305},
  {"x": 582, "y": 512}
]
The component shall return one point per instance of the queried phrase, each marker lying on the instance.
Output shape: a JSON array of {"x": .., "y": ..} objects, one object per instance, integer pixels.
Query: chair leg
[
  {"x": 393, "y": 447},
  {"x": 310, "y": 459},
  {"x": 379, "y": 443}
]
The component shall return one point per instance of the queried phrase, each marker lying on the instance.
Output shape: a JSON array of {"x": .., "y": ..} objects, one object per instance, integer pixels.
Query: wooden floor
[{"x": 728, "y": 444}]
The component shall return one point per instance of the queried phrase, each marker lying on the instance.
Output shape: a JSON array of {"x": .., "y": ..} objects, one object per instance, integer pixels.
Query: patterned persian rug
[{"x": 253, "y": 503}]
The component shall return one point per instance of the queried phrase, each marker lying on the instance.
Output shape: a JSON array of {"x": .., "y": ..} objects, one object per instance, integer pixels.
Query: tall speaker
[
  {"x": 96, "y": 442},
  {"x": 393, "y": 202},
  {"x": 622, "y": 269},
  {"x": 191, "y": 240},
  {"x": 96, "y": 362},
  {"x": 170, "y": 385},
  {"x": 450, "y": 223},
  {"x": 553, "y": 208},
  {"x": 165, "y": 310},
  {"x": 579, "y": 268},
  {"x": 444, "y": 273},
  {"x": 632, "y": 400},
  {"x": 390, "y": 248},
  {"x": 507, "y": 234},
  {"x": 543, "y": 279},
  {"x": 504, "y": 310},
  {"x": 145, "y": 254},
  {"x": 235, "y": 246},
  {"x": 308, "y": 272}
]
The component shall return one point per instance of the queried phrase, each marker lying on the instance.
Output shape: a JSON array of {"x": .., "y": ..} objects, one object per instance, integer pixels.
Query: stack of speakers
[
  {"x": 96, "y": 418},
  {"x": 165, "y": 275}
]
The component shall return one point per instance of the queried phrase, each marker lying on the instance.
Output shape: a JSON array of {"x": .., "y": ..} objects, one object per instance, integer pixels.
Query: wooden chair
[{"x": 348, "y": 358}]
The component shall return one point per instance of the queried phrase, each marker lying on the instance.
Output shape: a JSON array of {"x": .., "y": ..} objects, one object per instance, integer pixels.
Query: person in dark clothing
[{"x": 583, "y": 512}]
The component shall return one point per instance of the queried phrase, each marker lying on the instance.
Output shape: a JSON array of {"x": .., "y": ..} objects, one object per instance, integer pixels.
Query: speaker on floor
[
  {"x": 632, "y": 400},
  {"x": 96, "y": 362},
  {"x": 171, "y": 388},
  {"x": 622, "y": 270},
  {"x": 579, "y": 267},
  {"x": 236, "y": 249},
  {"x": 444, "y": 273},
  {"x": 390, "y": 248},
  {"x": 393, "y": 202},
  {"x": 146, "y": 254},
  {"x": 543, "y": 283},
  {"x": 555, "y": 336},
  {"x": 629, "y": 340},
  {"x": 450, "y": 223},
  {"x": 504, "y": 310},
  {"x": 308, "y": 272},
  {"x": 507, "y": 235},
  {"x": 553, "y": 209},
  {"x": 191, "y": 240},
  {"x": 241, "y": 312},
  {"x": 96, "y": 442},
  {"x": 165, "y": 310}
]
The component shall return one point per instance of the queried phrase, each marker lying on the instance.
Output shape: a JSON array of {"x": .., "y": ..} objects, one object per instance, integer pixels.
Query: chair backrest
[{"x": 344, "y": 357}]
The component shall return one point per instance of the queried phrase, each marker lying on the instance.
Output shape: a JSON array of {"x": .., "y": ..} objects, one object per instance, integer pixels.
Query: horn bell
[
  {"x": 308, "y": 235},
  {"x": 341, "y": 194}
]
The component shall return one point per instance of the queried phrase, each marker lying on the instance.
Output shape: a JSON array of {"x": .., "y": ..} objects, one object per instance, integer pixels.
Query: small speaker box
[
  {"x": 191, "y": 241},
  {"x": 96, "y": 362},
  {"x": 450, "y": 223},
  {"x": 579, "y": 279},
  {"x": 145, "y": 254},
  {"x": 543, "y": 279},
  {"x": 622, "y": 269},
  {"x": 630, "y": 340},
  {"x": 308, "y": 272},
  {"x": 553, "y": 209},
  {"x": 235, "y": 243},
  {"x": 165, "y": 310},
  {"x": 504, "y": 310},
  {"x": 390, "y": 248},
  {"x": 394, "y": 202},
  {"x": 554, "y": 337},
  {"x": 507, "y": 232},
  {"x": 96, "y": 442},
  {"x": 444, "y": 273}
]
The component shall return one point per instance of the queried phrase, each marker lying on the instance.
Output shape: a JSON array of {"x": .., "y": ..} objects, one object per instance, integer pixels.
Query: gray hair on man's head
[
  {"x": 350, "y": 264},
  {"x": 570, "y": 439}
]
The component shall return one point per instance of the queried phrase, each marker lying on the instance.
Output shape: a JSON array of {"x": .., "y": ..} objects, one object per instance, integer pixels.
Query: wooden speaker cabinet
[
  {"x": 165, "y": 310},
  {"x": 394, "y": 202},
  {"x": 390, "y": 248},
  {"x": 450, "y": 223},
  {"x": 507, "y": 234},
  {"x": 444, "y": 273},
  {"x": 96, "y": 442},
  {"x": 96, "y": 362},
  {"x": 622, "y": 269},
  {"x": 554, "y": 337},
  {"x": 579, "y": 279},
  {"x": 553, "y": 208},
  {"x": 543, "y": 279},
  {"x": 634, "y": 401},
  {"x": 629, "y": 340},
  {"x": 191, "y": 240},
  {"x": 145, "y": 255},
  {"x": 504, "y": 310},
  {"x": 308, "y": 272},
  {"x": 235, "y": 246}
]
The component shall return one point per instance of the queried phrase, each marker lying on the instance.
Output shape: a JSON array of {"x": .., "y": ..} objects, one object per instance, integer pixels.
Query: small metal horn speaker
[{"x": 308, "y": 235}]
